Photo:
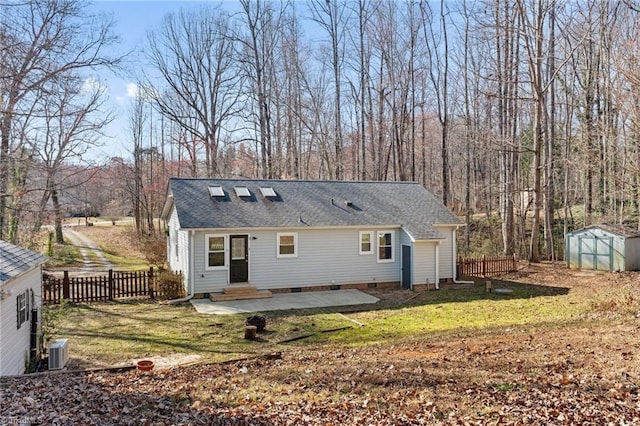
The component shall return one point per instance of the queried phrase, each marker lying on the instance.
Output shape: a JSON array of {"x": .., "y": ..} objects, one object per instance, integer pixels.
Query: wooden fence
[
  {"x": 100, "y": 288},
  {"x": 486, "y": 266}
]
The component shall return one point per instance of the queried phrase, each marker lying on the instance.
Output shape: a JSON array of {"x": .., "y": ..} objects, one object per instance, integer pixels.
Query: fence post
[
  {"x": 484, "y": 266},
  {"x": 65, "y": 286},
  {"x": 150, "y": 284},
  {"x": 110, "y": 285}
]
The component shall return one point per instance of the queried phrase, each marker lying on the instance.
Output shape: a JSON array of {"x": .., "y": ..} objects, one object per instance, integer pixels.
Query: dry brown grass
[{"x": 119, "y": 242}]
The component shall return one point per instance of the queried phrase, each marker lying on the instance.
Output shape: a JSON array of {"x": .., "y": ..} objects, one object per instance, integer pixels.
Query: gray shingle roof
[
  {"x": 310, "y": 204},
  {"x": 15, "y": 260}
]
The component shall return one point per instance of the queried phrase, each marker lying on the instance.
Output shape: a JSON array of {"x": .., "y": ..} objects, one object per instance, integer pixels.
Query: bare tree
[
  {"x": 258, "y": 48},
  {"x": 43, "y": 40},
  {"x": 437, "y": 41},
  {"x": 138, "y": 117},
  {"x": 199, "y": 86},
  {"x": 73, "y": 118},
  {"x": 330, "y": 15}
]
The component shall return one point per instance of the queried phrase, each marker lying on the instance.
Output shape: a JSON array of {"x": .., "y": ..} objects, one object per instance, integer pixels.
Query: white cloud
[
  {"x": 91, "y": 84},
  {"x": 133, "y": 91}
]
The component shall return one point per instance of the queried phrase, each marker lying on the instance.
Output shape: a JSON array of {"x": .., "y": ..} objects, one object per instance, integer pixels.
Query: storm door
[{"x": 239, "y": 272}]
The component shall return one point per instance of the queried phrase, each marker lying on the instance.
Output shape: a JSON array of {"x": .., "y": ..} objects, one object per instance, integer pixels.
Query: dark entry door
[
  {"x": 406, "y": 266},
  {"x": 239, "y": 272}
]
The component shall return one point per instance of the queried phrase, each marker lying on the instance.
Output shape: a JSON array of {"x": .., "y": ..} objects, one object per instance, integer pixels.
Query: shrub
[
  {"x": 169, "y": 285},
  {"x": 63, "y": 255},
  {"x": 52, "y": 316},
  {"x": 155, "y": 250}
]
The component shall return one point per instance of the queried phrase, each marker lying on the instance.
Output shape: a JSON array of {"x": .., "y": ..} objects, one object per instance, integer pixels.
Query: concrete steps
[{"x": 241, "y": 291}]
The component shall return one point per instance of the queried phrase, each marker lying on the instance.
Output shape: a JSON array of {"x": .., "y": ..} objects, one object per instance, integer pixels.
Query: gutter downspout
[
  {"x": 437, "y": 254},
  {"x": 192, "y": 285},
  {"x": 455, "y": 259}
]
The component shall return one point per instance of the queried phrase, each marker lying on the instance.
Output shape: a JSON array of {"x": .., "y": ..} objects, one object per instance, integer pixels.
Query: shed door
[
  {"x": 239, "y": 272},
  {"x": 596, "y": 253},
  {"x": 406, "y": 266}
]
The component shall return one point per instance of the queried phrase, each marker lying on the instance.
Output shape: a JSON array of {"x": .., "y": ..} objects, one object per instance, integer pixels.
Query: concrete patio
[{"x": 279, "y": 302}]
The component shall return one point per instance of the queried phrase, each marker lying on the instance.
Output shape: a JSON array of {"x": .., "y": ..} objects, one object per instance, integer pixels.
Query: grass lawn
[{"x": 118, "y": 332}]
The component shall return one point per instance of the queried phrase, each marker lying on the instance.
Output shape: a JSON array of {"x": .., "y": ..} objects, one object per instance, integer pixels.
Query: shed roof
[
  {"x": 621, "y": 230},
  {"x": 16, "y": 260},
  {"x": 308, "y": 203}
]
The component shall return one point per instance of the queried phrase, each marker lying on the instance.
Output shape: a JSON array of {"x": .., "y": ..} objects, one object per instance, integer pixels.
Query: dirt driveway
[{"x": 93, "y": 259}]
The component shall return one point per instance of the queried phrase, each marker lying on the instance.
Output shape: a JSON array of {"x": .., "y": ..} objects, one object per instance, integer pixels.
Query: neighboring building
[
  {"x": 288, "y": 235},
  {"x": 604, "y": 248},
  {"x": 20, "y": 308}
]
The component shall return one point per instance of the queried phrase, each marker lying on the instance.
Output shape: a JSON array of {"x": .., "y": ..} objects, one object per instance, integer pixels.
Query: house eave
[
  {"x": 15, "y": 278},
  {"x": 275, "y": 228},
  {"x": 168, "y": 206}
]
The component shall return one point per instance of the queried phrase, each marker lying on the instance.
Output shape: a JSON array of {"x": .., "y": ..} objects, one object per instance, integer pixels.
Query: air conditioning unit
[{"x": 58, "y": 354}]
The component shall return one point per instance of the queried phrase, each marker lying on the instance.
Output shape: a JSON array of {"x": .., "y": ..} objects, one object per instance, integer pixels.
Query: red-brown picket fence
[
  {"x": 486, "y": 266},
  {"x": 99, "y": 288}
]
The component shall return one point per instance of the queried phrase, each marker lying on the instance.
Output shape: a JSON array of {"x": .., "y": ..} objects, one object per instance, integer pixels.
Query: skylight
[
  {"x": 216, "y": 191},
  {"x": 268, "y": 192},
  {"x": 242, "y": 191}
]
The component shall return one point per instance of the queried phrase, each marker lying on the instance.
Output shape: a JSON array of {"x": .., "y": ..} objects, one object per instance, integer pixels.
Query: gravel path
[{"x": 93, "y": 259}]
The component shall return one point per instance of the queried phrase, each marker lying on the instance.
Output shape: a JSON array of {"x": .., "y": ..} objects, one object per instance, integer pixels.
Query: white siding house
[
  {"x": 289, "y": 235},
  {"x": 20, "y": 307}
]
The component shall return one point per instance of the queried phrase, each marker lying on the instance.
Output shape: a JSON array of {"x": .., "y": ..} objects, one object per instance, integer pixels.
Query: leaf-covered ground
[{"x": 584, "y": 371}]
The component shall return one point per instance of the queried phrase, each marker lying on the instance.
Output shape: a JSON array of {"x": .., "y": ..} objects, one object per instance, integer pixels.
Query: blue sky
[{"x": 133, "y": 20}]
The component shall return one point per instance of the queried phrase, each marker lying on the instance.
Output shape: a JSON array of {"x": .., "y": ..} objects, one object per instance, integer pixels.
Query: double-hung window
[
  {"x": 216, "y": 251},
  {"x": 386, "y": 246},
  {"x": 287, "y": 244},
  {"x": 366, "y": 242}
]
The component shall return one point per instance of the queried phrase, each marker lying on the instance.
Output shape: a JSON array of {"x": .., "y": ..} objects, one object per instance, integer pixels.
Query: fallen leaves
[
  {"x": 355, "y": 387},
  {"x": 582, "y": 373}
]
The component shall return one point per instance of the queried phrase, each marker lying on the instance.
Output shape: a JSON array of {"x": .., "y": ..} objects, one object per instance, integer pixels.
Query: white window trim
[
  {"x": 295, "y": 244},
  {"x": 206, "y": 252},
  {"x": 372, "y": 243},
  {"x": 393, "y": 246}
]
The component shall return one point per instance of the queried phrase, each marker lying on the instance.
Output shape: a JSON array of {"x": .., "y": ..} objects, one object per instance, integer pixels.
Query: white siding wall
[
  {"x": 178, "y": 257},
  {"x": 14, "y": 342},
  {"x": 405, "y": 239},
  {"x": 323, "y": 256},
  {"x": 173, "y": 252},
  {"x": 183, "y": 264},
  {"x": 447, "y": 257},
  {"x": 424, "y": 254},
  {"x": 213, "y": 280}
]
